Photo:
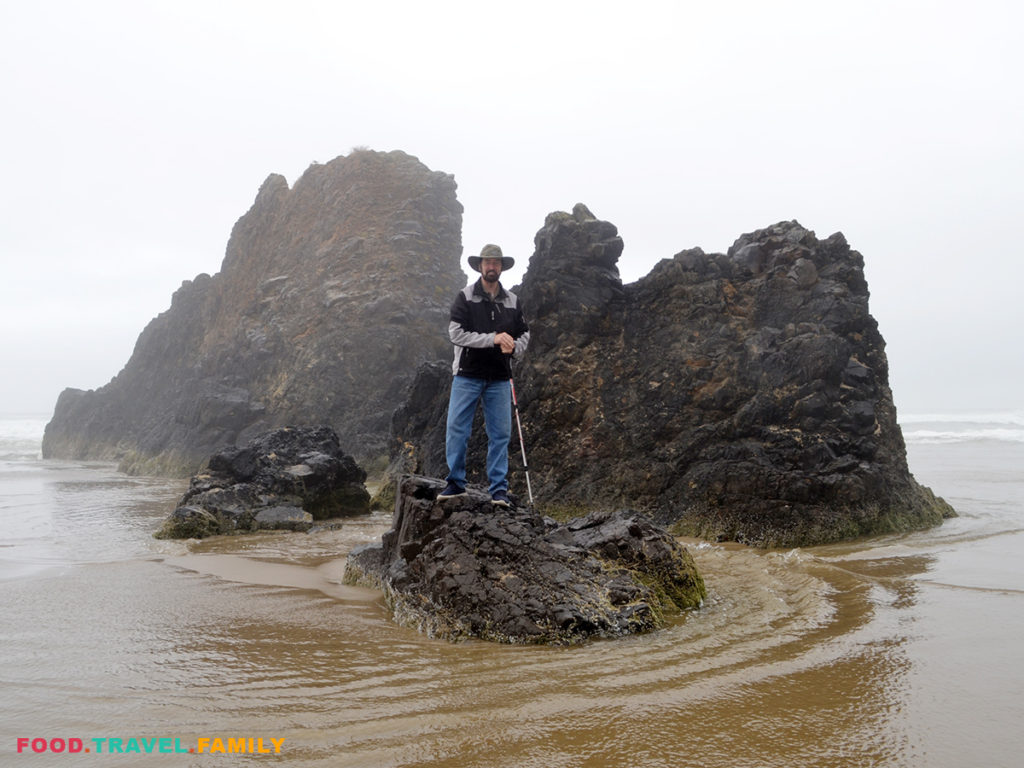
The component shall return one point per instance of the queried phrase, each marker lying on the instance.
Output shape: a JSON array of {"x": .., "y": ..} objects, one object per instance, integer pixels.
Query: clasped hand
[{"x": 506, "y": 342}]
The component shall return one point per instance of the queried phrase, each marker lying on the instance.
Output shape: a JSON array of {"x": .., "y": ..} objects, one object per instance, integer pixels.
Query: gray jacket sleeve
[{"x": 462, "y": 338}]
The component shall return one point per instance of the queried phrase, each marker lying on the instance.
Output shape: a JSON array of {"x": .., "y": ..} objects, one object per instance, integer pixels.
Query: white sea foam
[
  {"x": 1001, "y": 426},
  {"x": 954, "y": 436},
  {"x": 21, "y": 437},
  {"x": 1015, "y": 418}
]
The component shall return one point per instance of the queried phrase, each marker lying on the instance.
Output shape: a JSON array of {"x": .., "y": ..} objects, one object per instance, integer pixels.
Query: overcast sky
[{"x": 135, "y": 134}]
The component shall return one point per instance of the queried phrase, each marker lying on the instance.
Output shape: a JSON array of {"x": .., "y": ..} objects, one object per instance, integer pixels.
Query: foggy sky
[{"x": 134, "y": 135}]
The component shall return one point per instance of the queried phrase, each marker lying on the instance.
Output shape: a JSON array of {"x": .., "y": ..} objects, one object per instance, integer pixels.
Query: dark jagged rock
[
  {"x": 740, "y": 396},
  {"x": 283, "y": 479},
  {"x": 464, "y": 568},
  {"x": 311, "y": 319}
]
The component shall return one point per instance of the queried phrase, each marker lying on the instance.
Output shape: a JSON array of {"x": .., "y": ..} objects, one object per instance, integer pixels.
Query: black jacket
[{"x": 475, "y": 319}]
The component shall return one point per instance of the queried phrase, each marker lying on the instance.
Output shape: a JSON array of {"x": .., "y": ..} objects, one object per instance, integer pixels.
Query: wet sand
[{"x": 902, "y": 651}]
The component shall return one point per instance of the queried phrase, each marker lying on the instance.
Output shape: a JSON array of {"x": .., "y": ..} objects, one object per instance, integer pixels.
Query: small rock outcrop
[
  {"x": 740, "y": 396},
  {"x": 462, "y": 568},
  {"x": 283, "y": 479},
  {"x": 331, "y": 293}
]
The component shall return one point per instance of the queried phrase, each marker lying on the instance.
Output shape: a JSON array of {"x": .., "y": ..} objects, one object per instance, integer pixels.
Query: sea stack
[
  {"x": 330, "y": 294},
  {"x": 740, "y": 396}
]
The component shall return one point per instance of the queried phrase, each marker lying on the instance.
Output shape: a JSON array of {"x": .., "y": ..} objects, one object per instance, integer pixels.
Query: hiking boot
[
  {"x": 450, "y": 491},
  {"x": 500, "y": 499}
]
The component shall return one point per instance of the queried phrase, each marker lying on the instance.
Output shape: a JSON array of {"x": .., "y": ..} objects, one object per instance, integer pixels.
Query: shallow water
[{"x": 899, "y": 651}]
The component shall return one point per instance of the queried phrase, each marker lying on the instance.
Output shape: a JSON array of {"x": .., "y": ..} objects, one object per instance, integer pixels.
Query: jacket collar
[{"x": 478, "y": 290}]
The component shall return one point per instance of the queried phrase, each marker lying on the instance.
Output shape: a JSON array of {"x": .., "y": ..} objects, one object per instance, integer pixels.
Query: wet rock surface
[
  {"x": 463, "y": 567},
  {"x": 284, "y": 479}
]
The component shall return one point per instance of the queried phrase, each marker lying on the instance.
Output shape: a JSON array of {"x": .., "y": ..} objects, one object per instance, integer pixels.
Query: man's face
[{"x": 490, "y": 269}]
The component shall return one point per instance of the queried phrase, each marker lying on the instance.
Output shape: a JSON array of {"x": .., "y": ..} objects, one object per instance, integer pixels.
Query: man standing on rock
[{"x": 487, "y": 327}]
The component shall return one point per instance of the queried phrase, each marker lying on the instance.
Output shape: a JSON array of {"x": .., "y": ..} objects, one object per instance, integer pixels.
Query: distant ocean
[
  {"x": 55, "y": 514},
  {"x": 901, "y": 650},
  {"x": 937, "y": 428}
]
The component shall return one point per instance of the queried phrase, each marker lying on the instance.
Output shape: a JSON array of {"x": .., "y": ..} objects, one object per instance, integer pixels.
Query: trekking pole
[{"x": 519, "y": 426}]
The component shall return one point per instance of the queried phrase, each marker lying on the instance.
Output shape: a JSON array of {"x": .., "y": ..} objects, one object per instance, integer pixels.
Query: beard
[{"x": 491, "y": 275}]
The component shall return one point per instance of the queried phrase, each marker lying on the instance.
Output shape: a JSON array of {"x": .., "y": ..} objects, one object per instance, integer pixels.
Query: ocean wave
[
  {"x": 22, "y": 428},
  {"x": 21, "y": 438},
  {"x": 1007, "y": 418},
  {"x": 974, "y": 426},
  {"x": 935, "y": 436}
]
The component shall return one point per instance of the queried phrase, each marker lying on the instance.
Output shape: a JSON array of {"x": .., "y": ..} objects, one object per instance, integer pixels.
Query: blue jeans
[{"x": 496, "y": 397}]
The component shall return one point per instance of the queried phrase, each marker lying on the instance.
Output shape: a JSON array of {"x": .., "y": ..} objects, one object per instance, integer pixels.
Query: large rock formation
[
  {"x": 463, "y": 567},
  {"x": 740, "y": 396},
  {"x": 282, "y": 479},
  {"x": 313, "y": 318}
]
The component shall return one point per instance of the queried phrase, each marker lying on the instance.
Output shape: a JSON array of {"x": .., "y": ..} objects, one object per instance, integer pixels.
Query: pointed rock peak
[
  {"x": 573, "y": 269},
  {"x": 275, "y": 185},
  {"x": 578, "y": 239},
  {"x": 581, "y": 213}
]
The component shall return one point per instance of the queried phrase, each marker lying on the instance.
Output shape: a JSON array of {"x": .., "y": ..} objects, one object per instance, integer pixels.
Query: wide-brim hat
[{"x": 491, "y": 251}]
